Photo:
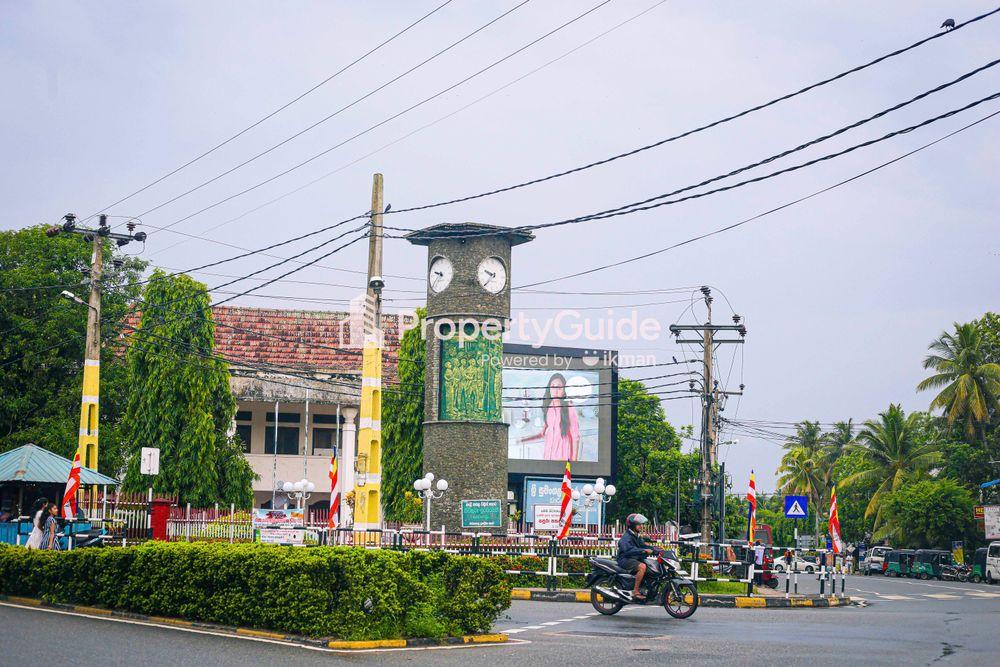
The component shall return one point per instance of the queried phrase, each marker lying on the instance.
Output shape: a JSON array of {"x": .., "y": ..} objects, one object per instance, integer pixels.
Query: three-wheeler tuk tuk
[
  {"x": 927, "y": 563},
  {"x": 900, "y": 562},
  {"x": 978, "y": 573}
]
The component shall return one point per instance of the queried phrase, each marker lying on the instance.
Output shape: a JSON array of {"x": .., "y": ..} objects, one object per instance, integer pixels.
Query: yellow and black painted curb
[
  {"x": 338, "y": 644},
  {"x": 704, "y": 600}
]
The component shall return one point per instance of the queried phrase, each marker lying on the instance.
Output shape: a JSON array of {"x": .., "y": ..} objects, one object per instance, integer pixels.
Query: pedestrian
[
  {"x": 49, "y": 539},
  {"x": 758, "y": 562},
  {"x": 35, "y": 538}
]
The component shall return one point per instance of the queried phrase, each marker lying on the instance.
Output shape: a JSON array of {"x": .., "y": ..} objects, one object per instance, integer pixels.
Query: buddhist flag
[
  {"x": 72, "y": 486},
  {"x": 752, "y": 512},
  {"x": 566, "y": 510},
  {"x": 838, "y": 544},
  {"x": 334, "y": 517}
]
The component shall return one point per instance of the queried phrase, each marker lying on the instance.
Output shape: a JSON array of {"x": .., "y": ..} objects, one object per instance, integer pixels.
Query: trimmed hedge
[{"x": 321, "y": 592}]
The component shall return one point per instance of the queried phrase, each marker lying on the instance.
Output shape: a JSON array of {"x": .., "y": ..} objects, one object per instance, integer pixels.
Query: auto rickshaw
[
  {"x": 978, "y": 566},
  {"x": 927, "y": 563},
  {"x": 900, "y": 563}
]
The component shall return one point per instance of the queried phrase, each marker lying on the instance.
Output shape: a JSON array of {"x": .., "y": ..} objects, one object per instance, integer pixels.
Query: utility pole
[
  {"x": 710, "y": 400},
  {"x": 368, "y": 463},
  {"x": 87, "y": 443}
]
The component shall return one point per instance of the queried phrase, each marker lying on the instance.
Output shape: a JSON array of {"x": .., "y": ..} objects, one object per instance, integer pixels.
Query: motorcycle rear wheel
[
  {"x": 604, "y": 605},
  {"x": 683, "y": 603}
]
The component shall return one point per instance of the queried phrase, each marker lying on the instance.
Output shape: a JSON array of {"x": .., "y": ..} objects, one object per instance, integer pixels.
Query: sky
[{"x": 841, "y": 293}]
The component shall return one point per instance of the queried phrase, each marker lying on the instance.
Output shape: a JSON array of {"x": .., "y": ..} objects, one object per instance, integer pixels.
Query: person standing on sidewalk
[
  {"x": 49, "y": 539},
  {"x": 758, "y": 563}
]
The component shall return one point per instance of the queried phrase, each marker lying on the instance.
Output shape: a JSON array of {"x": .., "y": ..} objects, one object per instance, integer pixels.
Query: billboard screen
[
  {"x": 553, "y": 415},
  {"x": 558, "y": 403}
]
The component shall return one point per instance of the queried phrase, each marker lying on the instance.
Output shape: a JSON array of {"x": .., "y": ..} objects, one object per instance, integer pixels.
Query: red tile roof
[{"x": 311, "y": 340}]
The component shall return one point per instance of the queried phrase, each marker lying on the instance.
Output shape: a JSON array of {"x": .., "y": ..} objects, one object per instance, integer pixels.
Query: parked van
[
  {"x": 874, "y": 562},
  {"x": 993, "y": 563}
]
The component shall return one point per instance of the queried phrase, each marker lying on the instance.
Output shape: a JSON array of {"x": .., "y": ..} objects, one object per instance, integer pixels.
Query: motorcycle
[
  {"x": 665, "y": 583},
  {"x": 955, "y": 572}
]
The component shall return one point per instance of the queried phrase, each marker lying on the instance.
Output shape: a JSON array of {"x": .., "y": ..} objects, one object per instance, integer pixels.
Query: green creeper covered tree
[
  {"x": 402, "y": 429},
  {"x": 930, "y": 514},
  {"x": 648, "y": 459},
  {"x": 180, "y": 401},
  {"x": 42, "y": 338}
]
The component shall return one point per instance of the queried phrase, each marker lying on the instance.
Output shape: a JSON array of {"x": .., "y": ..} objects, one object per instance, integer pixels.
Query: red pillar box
[{"x": 159, "y": 514}]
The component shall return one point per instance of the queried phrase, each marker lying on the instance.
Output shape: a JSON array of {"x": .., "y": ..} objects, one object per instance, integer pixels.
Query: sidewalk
[{"x": 769, "y": 600}]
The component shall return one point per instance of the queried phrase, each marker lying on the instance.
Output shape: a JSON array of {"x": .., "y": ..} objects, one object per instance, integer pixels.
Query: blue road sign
[{"x": 796, "y": 507}]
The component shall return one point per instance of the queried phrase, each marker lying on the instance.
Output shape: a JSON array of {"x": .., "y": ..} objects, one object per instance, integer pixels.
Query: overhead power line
[
  {"x": 389, "y": 119},
  {"x": 337, "y": 112},
  {"x": 763, "y": 214},
  {"x": 282, "y": 107}
]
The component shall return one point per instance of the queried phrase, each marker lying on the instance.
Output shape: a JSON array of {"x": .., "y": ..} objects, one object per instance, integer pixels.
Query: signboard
[
  {"x": 278, "y": 518},
  {"x": 991, "y": 521},
  {"x": 149, "y": 461},
  {"x": 977, "y": 512},
  {"x": 548, "y": 491},
  {"x": 546, "y": 517},
  {"x": 481, "y": 514},
  {"x": 282, "y": 535},
  {"x": 796, "y": 507}
]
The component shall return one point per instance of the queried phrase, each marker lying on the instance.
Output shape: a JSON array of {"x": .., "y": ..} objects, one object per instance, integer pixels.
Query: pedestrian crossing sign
[{"x": 796, "y": 506}]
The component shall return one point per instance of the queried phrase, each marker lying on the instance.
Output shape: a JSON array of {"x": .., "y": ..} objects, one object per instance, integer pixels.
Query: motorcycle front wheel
[
  {"x": 604, "y": 605},
  {"x": 682, "y": 602}
]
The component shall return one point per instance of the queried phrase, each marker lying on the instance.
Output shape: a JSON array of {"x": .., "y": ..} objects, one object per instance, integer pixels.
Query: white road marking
[
  {"x": 983, "y": 594},
  {"x": 941, "y": 596},
  {"x": 552, "y": 623},
  {"x": 567, "y": 620},
  {"x": 264, "y": 640},
  {"x": 514, "y": 631},
  {"x": 580, "y": 618},
  {"x": 894, "y": 597},
  {"x": 532, "y": 627}
]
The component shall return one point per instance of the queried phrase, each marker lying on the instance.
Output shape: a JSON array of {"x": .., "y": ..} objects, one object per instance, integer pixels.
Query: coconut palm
[
  {"x": 808, "y": 436},
  {"x": 970, "y": 384},
  {"x": 801, "y": 472},
  {"x": 892, "y": 455}
]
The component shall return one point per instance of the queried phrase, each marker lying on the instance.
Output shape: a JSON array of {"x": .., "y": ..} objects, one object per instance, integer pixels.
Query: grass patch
[{"x": 722, "y": 587}]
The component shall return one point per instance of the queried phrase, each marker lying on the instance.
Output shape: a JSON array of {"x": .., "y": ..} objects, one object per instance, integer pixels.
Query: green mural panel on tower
[{"x": 471, "y": 377}]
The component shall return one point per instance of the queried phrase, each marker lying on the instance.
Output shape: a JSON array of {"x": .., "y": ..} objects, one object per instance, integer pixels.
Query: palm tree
[
  {"x": 971, "y": 385},
  {"x": 892, "y": 455},
  {"x": 800, "y": 473},
  {"x": 808, "y": 436},
  {"x": 837, "y": 442}
]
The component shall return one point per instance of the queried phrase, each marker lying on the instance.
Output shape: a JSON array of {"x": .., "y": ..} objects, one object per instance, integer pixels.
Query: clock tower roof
[{"x": 427, "y": 235}]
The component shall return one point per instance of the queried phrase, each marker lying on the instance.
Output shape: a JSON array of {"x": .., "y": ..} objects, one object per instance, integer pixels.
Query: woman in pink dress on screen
[{"x": 561, "y": 431}]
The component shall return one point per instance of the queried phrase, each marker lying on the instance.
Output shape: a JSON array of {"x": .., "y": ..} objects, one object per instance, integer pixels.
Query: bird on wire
[{"x": 949, "y": 24}]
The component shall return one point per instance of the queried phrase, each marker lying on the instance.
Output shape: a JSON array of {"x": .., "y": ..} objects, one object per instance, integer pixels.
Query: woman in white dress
[{"x": 37, "y": 524}]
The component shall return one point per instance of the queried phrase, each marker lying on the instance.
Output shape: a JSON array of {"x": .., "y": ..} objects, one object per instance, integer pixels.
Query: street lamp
[
  {"x": 425, "y": 488},
  {"x": 598, "y": 493},
  {"x": 298, "y": 491}
]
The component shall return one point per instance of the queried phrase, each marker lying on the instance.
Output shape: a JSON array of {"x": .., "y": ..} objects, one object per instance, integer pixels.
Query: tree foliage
[
  {"x": 648, "y": 459},
  {"x": 42, "y": 341},
  {"x": 402, "y": 429},
  {"x": 180, "y": 400},
  {"x": 930, "y": 514}
]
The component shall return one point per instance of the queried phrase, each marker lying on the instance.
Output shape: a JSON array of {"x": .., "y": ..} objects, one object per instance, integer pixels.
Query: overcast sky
[{"x": 841, "y": 293}]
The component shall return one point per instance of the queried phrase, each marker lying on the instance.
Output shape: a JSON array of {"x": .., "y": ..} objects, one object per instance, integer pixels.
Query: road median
[{"x": 705, "y": 600}]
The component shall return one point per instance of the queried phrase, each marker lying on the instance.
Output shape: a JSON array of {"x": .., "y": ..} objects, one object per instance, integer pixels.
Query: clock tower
[{"x": 468, "y": 308}]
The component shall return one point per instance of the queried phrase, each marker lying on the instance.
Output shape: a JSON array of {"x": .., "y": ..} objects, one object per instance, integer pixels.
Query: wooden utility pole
[
  {"x": 368, "y": 462},
  {"x": 710, "y": 403}
]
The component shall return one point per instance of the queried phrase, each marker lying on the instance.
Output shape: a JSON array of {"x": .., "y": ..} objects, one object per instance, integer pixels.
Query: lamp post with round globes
[
  {"x": 298, "y": 491},
  {"x": 598, "y": 493},
  {"x": 425, "y": 487}
]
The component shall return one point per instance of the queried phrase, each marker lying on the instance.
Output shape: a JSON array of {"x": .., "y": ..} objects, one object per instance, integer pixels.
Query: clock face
[
  {"x": 492, "y": 274},
  {"x": 440, "y": 274}
]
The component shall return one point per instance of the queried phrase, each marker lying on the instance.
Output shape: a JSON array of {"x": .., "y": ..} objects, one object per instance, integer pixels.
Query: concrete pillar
[{"x": 348, "y": 449}]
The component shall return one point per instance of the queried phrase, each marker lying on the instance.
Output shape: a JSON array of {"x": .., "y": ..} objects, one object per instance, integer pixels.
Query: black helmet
[{"x": 635, "y": 520}]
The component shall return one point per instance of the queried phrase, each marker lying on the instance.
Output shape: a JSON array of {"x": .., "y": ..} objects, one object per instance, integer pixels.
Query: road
[{"x": 905, "y": 622}]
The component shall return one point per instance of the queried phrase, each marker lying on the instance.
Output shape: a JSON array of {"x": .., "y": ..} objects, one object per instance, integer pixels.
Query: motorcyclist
[{"x": 632, "y": 551}]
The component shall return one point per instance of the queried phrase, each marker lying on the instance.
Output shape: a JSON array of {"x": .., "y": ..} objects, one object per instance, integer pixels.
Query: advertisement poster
[
  {"x": 991, "y": 521},
  {"x": 546, "y": 517},
  {"x": 282, "y": 535},
  {"x": 278, "y": 518},
  {"x": 553, "y": 415}
]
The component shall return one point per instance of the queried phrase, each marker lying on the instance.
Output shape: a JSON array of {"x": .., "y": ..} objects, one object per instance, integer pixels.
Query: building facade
[{"x": 296, "y": 376}]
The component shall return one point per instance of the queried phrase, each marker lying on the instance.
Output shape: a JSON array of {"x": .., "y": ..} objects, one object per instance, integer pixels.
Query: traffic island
[
  {"x": 704, "y": 600},
  {"x": 484, "y": 639}
]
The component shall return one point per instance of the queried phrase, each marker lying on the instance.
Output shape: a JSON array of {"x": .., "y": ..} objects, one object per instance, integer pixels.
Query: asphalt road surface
[{"x": 905, "y": 622}]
